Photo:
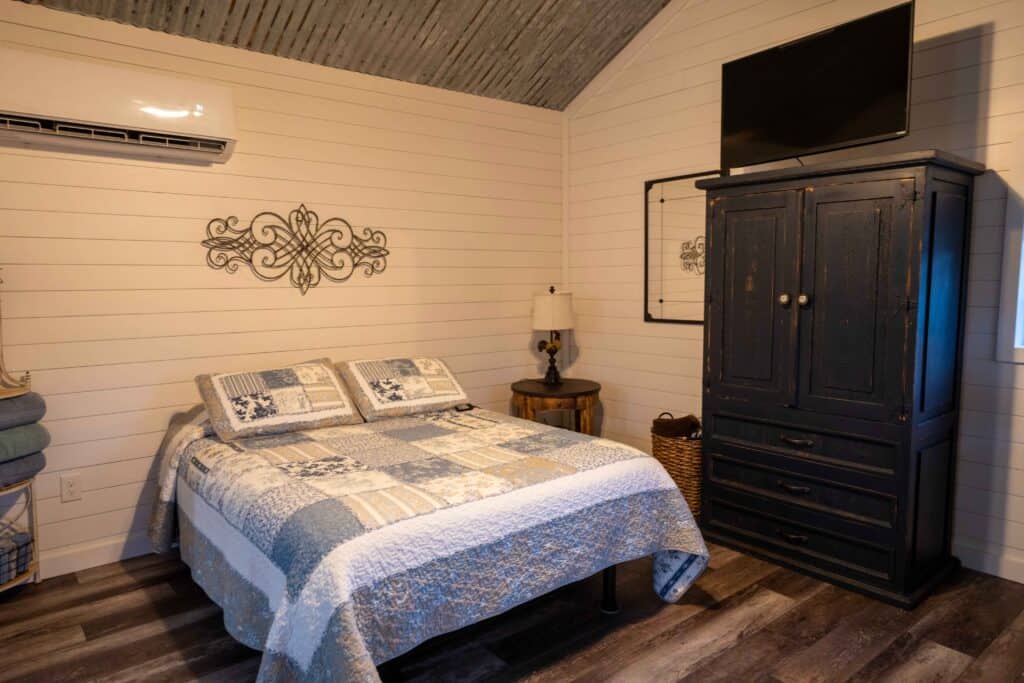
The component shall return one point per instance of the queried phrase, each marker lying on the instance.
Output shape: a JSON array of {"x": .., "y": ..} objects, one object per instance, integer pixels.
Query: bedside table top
[{"x": 569, "y": 388}]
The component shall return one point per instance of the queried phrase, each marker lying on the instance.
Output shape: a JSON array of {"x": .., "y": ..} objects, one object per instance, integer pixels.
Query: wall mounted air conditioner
[{"x": 75, "y": 105}]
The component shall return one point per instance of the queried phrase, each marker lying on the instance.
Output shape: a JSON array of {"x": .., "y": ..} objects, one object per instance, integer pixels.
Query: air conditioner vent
[
  {"x": 71, "y": 129},
  {"x": 20, "y": 124},
  {"x": 198, "y": 144}
]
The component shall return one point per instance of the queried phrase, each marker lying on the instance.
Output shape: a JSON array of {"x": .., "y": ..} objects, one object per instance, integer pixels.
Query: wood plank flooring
[{"x": 745, "y": 620}]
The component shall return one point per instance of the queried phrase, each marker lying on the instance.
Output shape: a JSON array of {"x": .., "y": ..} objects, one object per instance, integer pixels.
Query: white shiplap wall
[
  {"x": 654, "y": 112},
  {"x": 109, "y": 302}
]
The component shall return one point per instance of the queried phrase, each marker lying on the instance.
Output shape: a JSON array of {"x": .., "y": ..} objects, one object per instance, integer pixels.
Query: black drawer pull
[
  {"x": 795, "y": 539},
  {"x": 793, "y": 488},
  {"x": 793, "y": 441}
]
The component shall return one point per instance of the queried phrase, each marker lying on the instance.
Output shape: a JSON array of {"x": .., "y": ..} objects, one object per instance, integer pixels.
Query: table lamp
[{"x": 552, "y": 312}]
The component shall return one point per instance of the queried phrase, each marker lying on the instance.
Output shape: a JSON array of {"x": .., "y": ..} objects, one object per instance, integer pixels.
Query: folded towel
[
  {"x": 20, "y": 441},
  {"x": 21, "y": 410},
  {"x": 688, "y": 427},
  {"x": 20, "y": 469}
]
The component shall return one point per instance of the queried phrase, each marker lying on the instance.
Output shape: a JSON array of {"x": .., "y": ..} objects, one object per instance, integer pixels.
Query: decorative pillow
[
  {"x": 401, "y": 386},
  {"x": 301, "y": 396}
]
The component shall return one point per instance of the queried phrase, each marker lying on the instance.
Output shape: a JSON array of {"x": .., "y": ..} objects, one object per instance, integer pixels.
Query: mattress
[{"x": 333, "y": 550}]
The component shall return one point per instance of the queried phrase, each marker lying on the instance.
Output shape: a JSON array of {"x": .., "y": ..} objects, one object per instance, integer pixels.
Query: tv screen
[{"x": 845, "y": 86}]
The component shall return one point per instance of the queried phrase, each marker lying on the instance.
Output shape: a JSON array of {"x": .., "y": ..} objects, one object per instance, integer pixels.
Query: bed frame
[
  {"x": 609, "y": 605},
  {"x": 609, "y": 601}
]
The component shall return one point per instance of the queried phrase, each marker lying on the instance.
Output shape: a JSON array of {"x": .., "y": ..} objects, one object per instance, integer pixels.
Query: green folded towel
[
  {"x": 21, "y": 410},
  {"x": 19, "y": 441}
]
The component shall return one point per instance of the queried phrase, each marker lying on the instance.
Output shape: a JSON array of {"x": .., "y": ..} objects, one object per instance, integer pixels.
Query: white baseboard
[
  {"x": 1007, "y": 563},
  {"x": 92, "y": 554}
]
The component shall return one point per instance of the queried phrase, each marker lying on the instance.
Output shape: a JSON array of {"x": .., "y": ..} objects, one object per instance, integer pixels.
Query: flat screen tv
[{"x": 846, "y": 86}]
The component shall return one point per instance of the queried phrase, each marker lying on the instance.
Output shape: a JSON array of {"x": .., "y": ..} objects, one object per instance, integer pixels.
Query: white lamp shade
[{"x": 553, "y": 311}]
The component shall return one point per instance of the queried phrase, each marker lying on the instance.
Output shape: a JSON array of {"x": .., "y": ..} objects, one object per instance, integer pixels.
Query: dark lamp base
[{"x": 551, "y": 377}]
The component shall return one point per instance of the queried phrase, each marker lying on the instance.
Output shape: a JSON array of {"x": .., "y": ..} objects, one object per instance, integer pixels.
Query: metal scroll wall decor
[
  {"x": 301, "y": 247},
  {"x": 691, "y": 255}
]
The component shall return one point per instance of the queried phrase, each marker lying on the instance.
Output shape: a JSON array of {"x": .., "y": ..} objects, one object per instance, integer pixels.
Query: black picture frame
[{"x": 648, "y": 184}]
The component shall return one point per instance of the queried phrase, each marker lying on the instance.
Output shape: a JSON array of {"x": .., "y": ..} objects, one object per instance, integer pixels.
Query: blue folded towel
[
  {"x": 17, "y": 442},
  {"x": 20, "y": 469},
  {"x": 21, "y": 410}
]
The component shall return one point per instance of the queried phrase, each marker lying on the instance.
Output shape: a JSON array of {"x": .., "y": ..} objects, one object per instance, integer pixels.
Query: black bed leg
[
  {"x": 609, "y": 603},
  {"x": 388, "y": 671}
]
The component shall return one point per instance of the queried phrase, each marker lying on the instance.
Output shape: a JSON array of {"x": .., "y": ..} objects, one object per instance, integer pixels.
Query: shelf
[
  {"x": 16, "y": 487},
  {"x": 24, "y": 577},
  {"x": 32, "y": 572},
  {"x": 11, "y": 392}
]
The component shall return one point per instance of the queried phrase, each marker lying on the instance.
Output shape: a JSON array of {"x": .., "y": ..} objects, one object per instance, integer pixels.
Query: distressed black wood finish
[
  {"x": 755, "y": 237},
  {"x": 834, "y": 320},
  {"x": 851, "y": 328}
]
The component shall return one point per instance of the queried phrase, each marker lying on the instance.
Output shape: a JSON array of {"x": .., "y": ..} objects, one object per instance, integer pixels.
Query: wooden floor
[{"x": 746, "y": 620}]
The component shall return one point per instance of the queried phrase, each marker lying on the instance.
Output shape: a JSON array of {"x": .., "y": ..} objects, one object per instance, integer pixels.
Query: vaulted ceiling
[{"x": 540, "y": 52}]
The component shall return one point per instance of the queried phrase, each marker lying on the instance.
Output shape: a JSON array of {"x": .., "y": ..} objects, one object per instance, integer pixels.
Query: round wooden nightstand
[{"x": 531, "y": 396}]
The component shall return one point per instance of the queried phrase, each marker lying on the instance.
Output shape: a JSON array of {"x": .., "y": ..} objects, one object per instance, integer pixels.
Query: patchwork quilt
[{"x": 338, "y": 548}]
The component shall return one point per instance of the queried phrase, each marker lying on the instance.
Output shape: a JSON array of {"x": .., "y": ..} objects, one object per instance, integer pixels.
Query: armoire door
[
  {"x": 853, "y": 298},
  {"x": 752, "y": 262}
]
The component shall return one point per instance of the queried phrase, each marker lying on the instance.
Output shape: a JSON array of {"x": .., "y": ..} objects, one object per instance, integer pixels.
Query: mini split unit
[{"x": 69, "y": 105}]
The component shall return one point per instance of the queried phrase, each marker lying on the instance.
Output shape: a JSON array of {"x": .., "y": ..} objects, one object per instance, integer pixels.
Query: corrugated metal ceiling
[{"x": 539, "y": 52}]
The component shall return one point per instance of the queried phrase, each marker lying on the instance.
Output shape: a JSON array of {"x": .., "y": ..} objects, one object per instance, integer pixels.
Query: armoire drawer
[
  {"x": 811, "y": 492},
  {"x": 802, "y": 542},
  {"x": 838, "y": 449}
]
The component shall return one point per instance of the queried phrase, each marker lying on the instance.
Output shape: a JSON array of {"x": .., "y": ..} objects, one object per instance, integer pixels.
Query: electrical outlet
[{"x": 70, "y": 487}]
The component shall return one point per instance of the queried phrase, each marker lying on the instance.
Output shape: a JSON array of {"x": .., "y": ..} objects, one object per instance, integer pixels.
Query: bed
[{"x": 335, "y": 549}]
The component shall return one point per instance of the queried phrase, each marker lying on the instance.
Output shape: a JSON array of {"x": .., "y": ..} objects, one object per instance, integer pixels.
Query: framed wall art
[{"x": 674, "y": 249}]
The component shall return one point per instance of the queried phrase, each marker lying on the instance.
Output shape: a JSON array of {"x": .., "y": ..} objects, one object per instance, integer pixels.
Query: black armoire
[{"x": 835, "y": 299}]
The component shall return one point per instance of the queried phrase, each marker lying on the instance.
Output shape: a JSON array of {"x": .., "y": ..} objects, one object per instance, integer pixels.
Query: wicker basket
[
  {"x": 15, "y": 553},
  {"x": 681, "y": 458}
]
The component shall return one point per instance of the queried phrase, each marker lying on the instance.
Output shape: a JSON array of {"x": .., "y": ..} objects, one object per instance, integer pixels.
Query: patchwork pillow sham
[
  {"x": 394, "y": 387},
  {"x": 302, "y": 396}
]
